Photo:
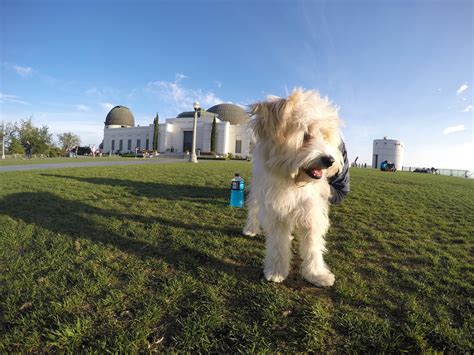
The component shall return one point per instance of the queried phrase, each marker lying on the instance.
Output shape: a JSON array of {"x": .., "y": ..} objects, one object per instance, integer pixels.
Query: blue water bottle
[{"x": 237, "y": 192}]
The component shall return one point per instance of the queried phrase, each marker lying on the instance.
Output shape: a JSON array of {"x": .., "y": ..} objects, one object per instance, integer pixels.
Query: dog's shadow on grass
[
  {"x": 73, "y": 218},
  {"x": 193, "y": 193}
]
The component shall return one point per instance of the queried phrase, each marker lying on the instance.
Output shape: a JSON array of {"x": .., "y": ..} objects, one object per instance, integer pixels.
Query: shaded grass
[{"x": 151, "y": 257}]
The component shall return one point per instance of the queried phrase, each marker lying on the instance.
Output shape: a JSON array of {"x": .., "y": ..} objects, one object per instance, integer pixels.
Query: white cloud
[
  {"x": 89, "y": 126},
  {"x": 107, "y": 106},
  {"x": 179, "y": 97},
  {"x": 12, "y": 99},
  {"x": 82, "y": 108},
  {"x": 452, "y": 156},
  {"x": 102, "y": 94},
  {"x": 30, "y": 72},
  {"x": 468, "y": 109},
  {"x": 462, "y": 88},
  {"x": 23, "y": 71},
  {"x": 180, "y": 76},
  {"x": 132, "y": 94},
  {"x": 440, "y": 89},
  {"x": 454, "y": 129}
]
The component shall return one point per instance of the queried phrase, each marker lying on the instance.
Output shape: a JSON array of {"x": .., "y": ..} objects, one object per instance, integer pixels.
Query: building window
[
  {"x": 139, "y": 143},
  {"x": 121, "y": 144},
  {"x": 113, "y": 145},
  {"x": 129, "y": 145},
  {"x": 238, "y": 147},
  {"x": 147, "y": 144}
]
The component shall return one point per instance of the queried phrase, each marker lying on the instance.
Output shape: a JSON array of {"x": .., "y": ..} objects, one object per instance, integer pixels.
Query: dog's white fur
[{"x": 290, "y": 135}]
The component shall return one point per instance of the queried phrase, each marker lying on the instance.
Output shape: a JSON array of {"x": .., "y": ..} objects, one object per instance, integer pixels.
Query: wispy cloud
[
  {"x": 462, "y": 88},
  {"x": 102, "y": 93},
  {"x": 468, "y": 109},
  {"x": 180, "y": 97},
  {"x": 454, "y": 129},
  {"x": 26, "y": 72},
  {"x": 107, "y": 106},
  {"x": 180, "y": 76},
  {"x": 132, "y": 94},
  {"x": 23, "y": 71},
  {"x": 85, "y": 125},
  {"x": 12, "y": 99},
  {"x": 82, "y": 108}
]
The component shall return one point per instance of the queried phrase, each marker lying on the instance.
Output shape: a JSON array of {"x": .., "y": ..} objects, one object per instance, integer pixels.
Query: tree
[
  {"x": 214, "y": 135},
  {"x": 155, "y": 133},
  {"x": 18, "y": 133},
  {"x": 68, "y": 140},
  {"x": 15, "y": 146}
]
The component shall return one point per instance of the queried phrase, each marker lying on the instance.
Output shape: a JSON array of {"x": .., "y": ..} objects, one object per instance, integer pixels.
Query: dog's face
[{"x": 299, "y": 136}]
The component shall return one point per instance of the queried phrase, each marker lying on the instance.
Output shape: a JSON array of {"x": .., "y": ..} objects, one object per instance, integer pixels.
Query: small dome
[
  {"x": 231, "y": 113},
  {"x": 120, "y": 116}
]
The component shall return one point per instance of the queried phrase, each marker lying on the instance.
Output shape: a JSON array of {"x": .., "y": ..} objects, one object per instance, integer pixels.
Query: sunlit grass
[
  {"x": 151, "y": 257},
  {"x": 23, "y": 161}
]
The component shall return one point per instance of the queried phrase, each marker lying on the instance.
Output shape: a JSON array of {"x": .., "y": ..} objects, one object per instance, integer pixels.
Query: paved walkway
[{"x": 87, "y": 164}]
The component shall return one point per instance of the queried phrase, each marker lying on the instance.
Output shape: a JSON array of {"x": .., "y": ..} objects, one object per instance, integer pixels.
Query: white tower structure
[{"x": 387, "y": 149}]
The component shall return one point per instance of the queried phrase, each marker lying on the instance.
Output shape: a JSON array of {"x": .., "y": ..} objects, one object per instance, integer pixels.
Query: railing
[{"x": 447, "y": 172}]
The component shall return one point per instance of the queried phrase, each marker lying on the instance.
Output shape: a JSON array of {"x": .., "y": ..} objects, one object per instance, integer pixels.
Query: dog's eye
[{"x": 307, "y": 137}]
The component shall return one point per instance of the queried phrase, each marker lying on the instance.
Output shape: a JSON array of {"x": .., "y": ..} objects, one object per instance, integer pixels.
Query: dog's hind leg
[
  {"x": 252, "y": 226},
  {"x": 312, "y": 247},
  {"x": 278, "y": 251}
]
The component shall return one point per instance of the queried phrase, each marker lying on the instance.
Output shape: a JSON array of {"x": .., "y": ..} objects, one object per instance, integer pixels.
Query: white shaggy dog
[{"x": 296, "y": 149}]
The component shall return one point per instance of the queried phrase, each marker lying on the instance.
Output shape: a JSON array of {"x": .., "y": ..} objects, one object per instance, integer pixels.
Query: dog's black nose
[{"x": 327, "y": 161}]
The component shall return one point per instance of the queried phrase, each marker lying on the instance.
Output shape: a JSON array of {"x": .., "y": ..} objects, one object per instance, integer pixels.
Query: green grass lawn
[
  {"x": 150, "y": 258},
  {"x": 21, "y": 161}
]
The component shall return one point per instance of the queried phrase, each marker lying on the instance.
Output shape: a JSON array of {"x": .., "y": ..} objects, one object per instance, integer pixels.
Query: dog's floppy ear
[
  {"x": 257, "y": 112},
  {"x": 269, "y": 118}
]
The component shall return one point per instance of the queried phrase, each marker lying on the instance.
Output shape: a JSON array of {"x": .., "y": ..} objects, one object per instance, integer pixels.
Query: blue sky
[{"x": 401, "y": 69}]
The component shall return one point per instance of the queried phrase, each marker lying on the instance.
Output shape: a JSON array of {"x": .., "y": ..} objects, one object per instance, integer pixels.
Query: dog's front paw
[
  {"x": 274, "y": 276},
  {"x": 324, "y": 279}
]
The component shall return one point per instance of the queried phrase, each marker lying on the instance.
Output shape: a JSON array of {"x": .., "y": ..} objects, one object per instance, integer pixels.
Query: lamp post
[
  {"x": 193, "y": 157},
  {"x": 3, "y": 140}
]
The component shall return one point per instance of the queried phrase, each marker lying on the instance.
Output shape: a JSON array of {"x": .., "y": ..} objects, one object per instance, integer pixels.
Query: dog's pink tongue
[{"x": 317, "y": 172}]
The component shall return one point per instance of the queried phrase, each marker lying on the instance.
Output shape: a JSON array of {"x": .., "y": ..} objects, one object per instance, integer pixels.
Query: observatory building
[
  {"x": 175, "y": 135},
  {"x": 387, "y": 149}
]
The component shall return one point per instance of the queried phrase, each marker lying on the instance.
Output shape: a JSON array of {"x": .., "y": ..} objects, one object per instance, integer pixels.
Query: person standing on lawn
[{"x": 28, "y": 148}]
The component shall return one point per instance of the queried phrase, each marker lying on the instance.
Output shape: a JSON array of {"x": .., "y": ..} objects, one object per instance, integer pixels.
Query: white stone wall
[
  {"x": 124, "y": 134},
  {"x": 163, "y": 129},
  {"x": 223, "y": 137},
  {"x": 239, "y": 132},
  {"x": 205, "y": 136},
  {"x": 170, "y": 134}
]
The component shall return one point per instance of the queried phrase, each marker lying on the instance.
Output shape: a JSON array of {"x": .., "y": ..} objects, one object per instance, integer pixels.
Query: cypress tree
[
  {"x": 155, "y": 133},
  {"x": 214, "y": 135}
]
